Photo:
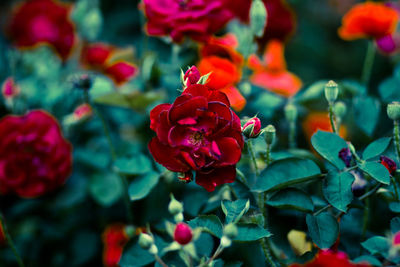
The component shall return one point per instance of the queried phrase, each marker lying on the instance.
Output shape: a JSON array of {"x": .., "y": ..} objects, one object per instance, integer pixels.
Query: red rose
[
  {"x": 43, "y": 22},
  {"x": 183, "y": 234},
  {"x": 198, "y": 132},
  {"x": 2, "y": 235},
  {"x": 194, "y": 19},
  {"x": 114, "y": 239},
  {"x": 327, "y": 258},
  {"x": 34, "y": 156}
]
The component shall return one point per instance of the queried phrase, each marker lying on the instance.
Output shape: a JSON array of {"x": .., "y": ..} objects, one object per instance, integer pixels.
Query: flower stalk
[
  {"x": 253, "y": 156},
  {"x": 10, "y": 242},
  {"x": 368, "y": 63}
]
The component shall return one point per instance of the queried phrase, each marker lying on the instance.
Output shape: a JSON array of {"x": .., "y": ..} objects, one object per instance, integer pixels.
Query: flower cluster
[
  {"x": 34, "y": 156},
  {"x": 198, "y": 132}
]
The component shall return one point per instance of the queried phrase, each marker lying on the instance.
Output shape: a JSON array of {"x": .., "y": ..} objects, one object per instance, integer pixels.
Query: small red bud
[
  {"x": 183, "y": 233},
  {"x": 83, "y": 111},
  {"x": 2, "y": 235},
  {"x": 252, "y": 128},
  {"x": 389, "y": 164},
  {"x": 186, "y": 177},
  {"x": 9, "y": 88},
  {"x": 192, "y": 75},
  {"x": 396, "y": 239}
]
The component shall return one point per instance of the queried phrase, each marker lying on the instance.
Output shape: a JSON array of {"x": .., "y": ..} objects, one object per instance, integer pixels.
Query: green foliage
[
  {"x": 366, "y": 113},
  {"x": 328, "y": 146},
  {"x": 376, "y": 148},
  {"x": 136, "y": 165},
  {"x": 106, "y": 189},
  {"x": 234, "y": 210},
  {"x": 291, "y": 198},
  {"x": 337, "y": 189},
  {"x": 141, "y": 186},
  {"x": 250, "y": 232},
  {"x": 323, "y": 229},
  {"x": 376, "y": 171},
  {"x": 377, "y": 245}
]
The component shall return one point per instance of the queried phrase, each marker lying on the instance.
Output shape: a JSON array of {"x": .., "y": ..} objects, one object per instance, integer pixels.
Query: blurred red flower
[
  {"x": 102, "y": 57},
  {"x": 34, "y": 156},
  {"x": 280, "y": 18},
  {"x": 271, "y": 74},
  {"x": 197, "y": 19},
  {"x": 319, "y": 120},
  {"x": 38, "y": 22},
  {"x": 219, "y": 57},
  {"x": 198, "y": 132},
  {"x": 114, "y": 240},
  {"x": 10, "y": 89},
  {"x": 2, "y": 235},
  {"x": 369, "y": 20},
  {"x": 327, "y": 258}
]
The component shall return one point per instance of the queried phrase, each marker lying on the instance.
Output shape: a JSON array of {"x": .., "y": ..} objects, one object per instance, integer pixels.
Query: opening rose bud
[
  {"x": 389, "y": 164},
  {"x": 192, "y": 76},
  {"x": 82, "y": 112},
  {"x": 331, "y": 91},
  {"x": 345, "y": 155},
  {"x": 183, "y": 233},
  {"x": 252, "y": 128},
  {"x": 9, "y": 88}
]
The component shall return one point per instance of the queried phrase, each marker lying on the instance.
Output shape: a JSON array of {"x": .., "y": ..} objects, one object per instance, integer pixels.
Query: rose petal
[
  {"x": 209, "y": 179},
  {"x": 167, "y": 156}
]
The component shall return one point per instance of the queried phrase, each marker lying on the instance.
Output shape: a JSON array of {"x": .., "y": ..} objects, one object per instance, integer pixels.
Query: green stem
[
  {"x": 368, "y": 63},
  {"x": 253, "y": 156},
  {"x": 322, "y": 209},
  {"x": 160, "y": 261},
  {"x": 10, "y": 241},
  {"x": 292, "y": 134},
  {"x": 365, "y": 218},
  {"x": 332, "y": 118},
  {"x": 395, "y": 188},
  {"x": 266, "y": 247},
  {"x": 396, "y": 136},
  {"x": 241, "y": 177}
]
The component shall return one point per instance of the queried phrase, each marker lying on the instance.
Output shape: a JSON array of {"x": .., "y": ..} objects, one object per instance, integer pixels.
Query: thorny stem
[
  {"x": 10, "y": 241},
  {"x": 396, "y": 136},
  {"x": 241, "y": 177},
  {"x": 113, "y": 156},
  {"x": 214, "y": 256},
  {"x": 368, "y": 63},
  {"x": 160, "y": 261},
  {"x": 332, "y": 118},
  {"x": 253, "y": 156}
]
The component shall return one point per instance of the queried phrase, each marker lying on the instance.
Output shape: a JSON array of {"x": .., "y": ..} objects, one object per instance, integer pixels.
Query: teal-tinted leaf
[
  {"x": 366, "y": 113},
  {"x": 395, "y": 207},
  {"x": 368, "y": 259},
  {"x": 209, "y": 223},
  {"x": 337, "y": 189},
  {"x": 323, "y": 229},
  {"x": 135, "y": 100},
  {"x": 142, "y": 185},
  {"x": 139, "y": 164},
  {"x": 389, "y": 90},
  {"x": 234, "y": 210},
  {"x": 353, "y": 87},
  {"x": 376, "y": 148},
  {"x": 395, "y": 225},
  {"x": 106, "y": 189},
  {"x": 285, "y": 172},
  {"x": 328, "y": 146},
  {"x": 84, "y": 247},
  {"x": 204, "y": 244},
  {"x": 291, "y": 198},
  {"x": 250, "y": 232},
  {"x": 268, "y": 103},
  {"x": 376, "y": 171},
  {"x": 377, "y": 245},
  {"x": 314, "y": 91}
]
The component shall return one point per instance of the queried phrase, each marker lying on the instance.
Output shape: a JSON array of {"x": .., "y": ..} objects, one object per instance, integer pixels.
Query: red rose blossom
[
  {"x": 43, "y": 22},
  {"x": 35, "y": 158},
  {"x": 2, "y": 235},
  {"x": 196, "y": 19},
  {"x": 327, "y": 258},
  {"x": 114, "y": 240},
  {"x": 183, "y": 234},
  {"x": 198, "y": 132},
  {"x": 252, "y": 128},
  {"x": 192, "y": 75}
]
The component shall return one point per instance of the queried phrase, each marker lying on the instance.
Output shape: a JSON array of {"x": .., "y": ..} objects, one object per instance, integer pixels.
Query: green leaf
[
  {"x": 106, "y": 189},
  {"x": 291, "y": 198},
  {"x": 337, "y": 189},
  {"x": 234, "y": 210},
  {"x": 389, "y": 90},
  {"x": 376, "y": 171},
  {"x": 139, "y": 164},
  {"x": 376, "y": 148},
  {"x": 395, "y": 225},
  {"x": 328, "y": 146},
  {"x": 286, "y": 172},
  {"x": 368, "y": 259},
  {"x": 377, "y": 245},
  {"x": 209, "y": 223},
  {"x": 323, "y": 229},
  {"x": 366, "y": 113},
  {"x": 395, "y": 207},
  {"x": 250, "y": 232},
  {"x": 142, "y": 185},
  {"x": 314, "y": 91}
]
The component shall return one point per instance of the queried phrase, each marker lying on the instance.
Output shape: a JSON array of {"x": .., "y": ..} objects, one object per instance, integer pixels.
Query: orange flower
[
  {"x": 319, "y": 120},
  {"x": 114, "y": 240},
  {"x": 100, "y": 57},
  {"x": 220, "y": 58},
  {"x": 272, "y": 74},
  {"x": 368, "y": 20}
]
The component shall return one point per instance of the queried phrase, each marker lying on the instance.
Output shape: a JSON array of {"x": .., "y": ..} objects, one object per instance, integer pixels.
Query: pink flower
[
  {"x": 198, "y": 132},
  {"x": 9, "y": 88},
  {"x": 34, "y": 156},
  {"x": 252, "y": 128},
  {"x": 183, "y": 234},
  {"x": 82, "y": 112},
  {"x": 196, "y": 19}
]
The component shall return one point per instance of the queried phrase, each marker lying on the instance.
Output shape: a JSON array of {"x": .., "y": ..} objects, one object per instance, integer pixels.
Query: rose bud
[
  {"x": 174, "y": 206},
  {"x": 340, "y": 109},
  {"x": 83, "y": 112},
  {"x": 252, "y": 128},
  {"x": 359, "y": 184},
  {"x": 145, "y": 241},
  {"x": 389, "y": 164},
  {"x": 186, "y": 177},
  {"x": 9, "y": 88},
  {"x": 345, "y": 155},
  {"x": 393, "y": 111},
  {"x": 331, "y": 91},
  {"x": 183, "y": 233},
  {"x": 270, "y": 133},
  {"x": 258, "y": 17},
  {"x": 192, "y": 76},
  {"x": 230, "y": 231}
]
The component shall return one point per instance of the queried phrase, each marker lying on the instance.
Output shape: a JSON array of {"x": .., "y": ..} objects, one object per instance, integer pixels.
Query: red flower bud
[
  {"x": 183, "y": 233},
  {"x": 389, "y": 164},
  {"x": 2, "y": 235},
  {"x": 192, "y": 75},
  {"x": 82, "y": 112},
  {"x": 252, "y": 128},
  {"x": 114, "y": 240},
  {"x": 396, "y": 239},
  {"x": 187, "y": 177},
  {"x": 9, "y": 88}
]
